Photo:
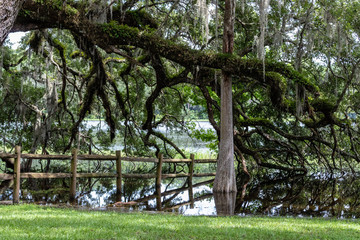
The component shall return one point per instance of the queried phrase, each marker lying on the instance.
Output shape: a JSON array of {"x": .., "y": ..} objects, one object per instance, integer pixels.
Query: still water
[
  {"x": 180, "y": 137},
  {"x": 270, "y": 193},
  {"x": 275, "y": 194}
]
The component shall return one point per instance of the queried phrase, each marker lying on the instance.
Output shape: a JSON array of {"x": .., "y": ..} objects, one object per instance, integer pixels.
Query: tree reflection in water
[
  {"x": 317, "y": 194},
  {"x": 225, "y": 203}
]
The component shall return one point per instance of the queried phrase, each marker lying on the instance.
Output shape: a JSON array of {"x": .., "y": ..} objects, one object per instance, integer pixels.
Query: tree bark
[
  {"x": 8, "y": 12},
  {"x": 225, "y": 174}
]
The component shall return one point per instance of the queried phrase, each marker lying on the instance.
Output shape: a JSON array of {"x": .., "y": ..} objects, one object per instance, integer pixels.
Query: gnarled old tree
[{"x": 138, "y": 64}]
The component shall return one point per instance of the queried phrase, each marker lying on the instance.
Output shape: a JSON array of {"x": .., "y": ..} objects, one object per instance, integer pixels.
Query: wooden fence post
[
  {"x": 74, "y": 153},
  {"x": 119, "y": 176},
  {"x": 158, "y": 170},
  {"x": 190, "y": 178},
  {"x": 191, "y": 169},
  {"x": 158, "y": 181},
  {"x": 17, "y": 162}
]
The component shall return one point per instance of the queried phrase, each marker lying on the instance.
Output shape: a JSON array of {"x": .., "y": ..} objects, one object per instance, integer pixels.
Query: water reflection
[
  {"x": 225, "y": 203},
  {"x": 4, "y": 186},
  {"x": 316, "y": 195},
  {"x": 272, "y": 194}
]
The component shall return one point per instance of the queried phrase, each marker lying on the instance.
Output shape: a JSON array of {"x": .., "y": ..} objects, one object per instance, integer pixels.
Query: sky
[{"x": 15, "y": 38}]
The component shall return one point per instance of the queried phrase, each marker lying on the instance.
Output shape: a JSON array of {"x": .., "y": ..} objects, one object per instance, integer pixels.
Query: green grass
[{"x": 34, "y": 222}]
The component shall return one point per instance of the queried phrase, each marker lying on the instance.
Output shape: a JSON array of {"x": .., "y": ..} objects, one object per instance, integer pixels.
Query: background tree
[{"x": 225, "y": 175}]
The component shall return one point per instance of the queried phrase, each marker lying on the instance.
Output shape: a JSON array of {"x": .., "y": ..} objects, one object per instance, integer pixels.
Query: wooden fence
[{"x": 73, "y": 174}]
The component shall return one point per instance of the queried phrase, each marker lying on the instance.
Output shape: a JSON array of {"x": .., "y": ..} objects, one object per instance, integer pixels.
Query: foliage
[{"x": 141, "y": 66}]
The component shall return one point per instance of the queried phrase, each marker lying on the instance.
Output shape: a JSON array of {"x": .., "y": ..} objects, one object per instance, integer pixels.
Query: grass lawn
[{"x": 35, "y": 222}]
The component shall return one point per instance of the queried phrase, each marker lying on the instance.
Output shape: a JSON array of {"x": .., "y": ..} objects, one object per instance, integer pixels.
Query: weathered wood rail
[{"x": 17, "y": 175}]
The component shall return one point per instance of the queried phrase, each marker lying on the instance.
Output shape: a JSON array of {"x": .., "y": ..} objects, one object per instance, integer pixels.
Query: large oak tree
[{"x": 135, "y": 60}]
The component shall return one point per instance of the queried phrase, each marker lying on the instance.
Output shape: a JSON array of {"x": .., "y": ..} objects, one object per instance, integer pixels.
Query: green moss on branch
[
  {"x": 59, "y": 5},
  {"x": 323, "y": 105},
  {"x": 116, "y": 30},
  {"x": 255, "y": 122}
]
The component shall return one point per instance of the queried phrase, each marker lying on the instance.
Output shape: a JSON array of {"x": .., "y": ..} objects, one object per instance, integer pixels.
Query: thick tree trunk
[
  {"x": 225, "y": 174},
  {"x": 8, "y": 11}
]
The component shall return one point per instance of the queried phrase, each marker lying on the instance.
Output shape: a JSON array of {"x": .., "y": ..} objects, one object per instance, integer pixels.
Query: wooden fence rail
[
  {"x": 102, "y": 158},
  {"x": 73, "y": 175}
]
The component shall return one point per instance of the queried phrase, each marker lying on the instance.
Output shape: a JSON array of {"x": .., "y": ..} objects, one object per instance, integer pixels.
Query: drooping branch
[
  {"x": 113, "y": 33},
  {"x": 94, "y": 87},
  {"x": 64, "y": 73}
]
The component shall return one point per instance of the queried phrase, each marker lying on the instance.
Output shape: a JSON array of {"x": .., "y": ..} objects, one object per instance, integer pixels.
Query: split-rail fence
[{"x": 17, "y": 175}]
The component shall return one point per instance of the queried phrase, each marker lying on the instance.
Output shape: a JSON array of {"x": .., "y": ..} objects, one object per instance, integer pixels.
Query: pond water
[
  {"x": 275, "y": 194},
  {"x": 179, "y": 137}
]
